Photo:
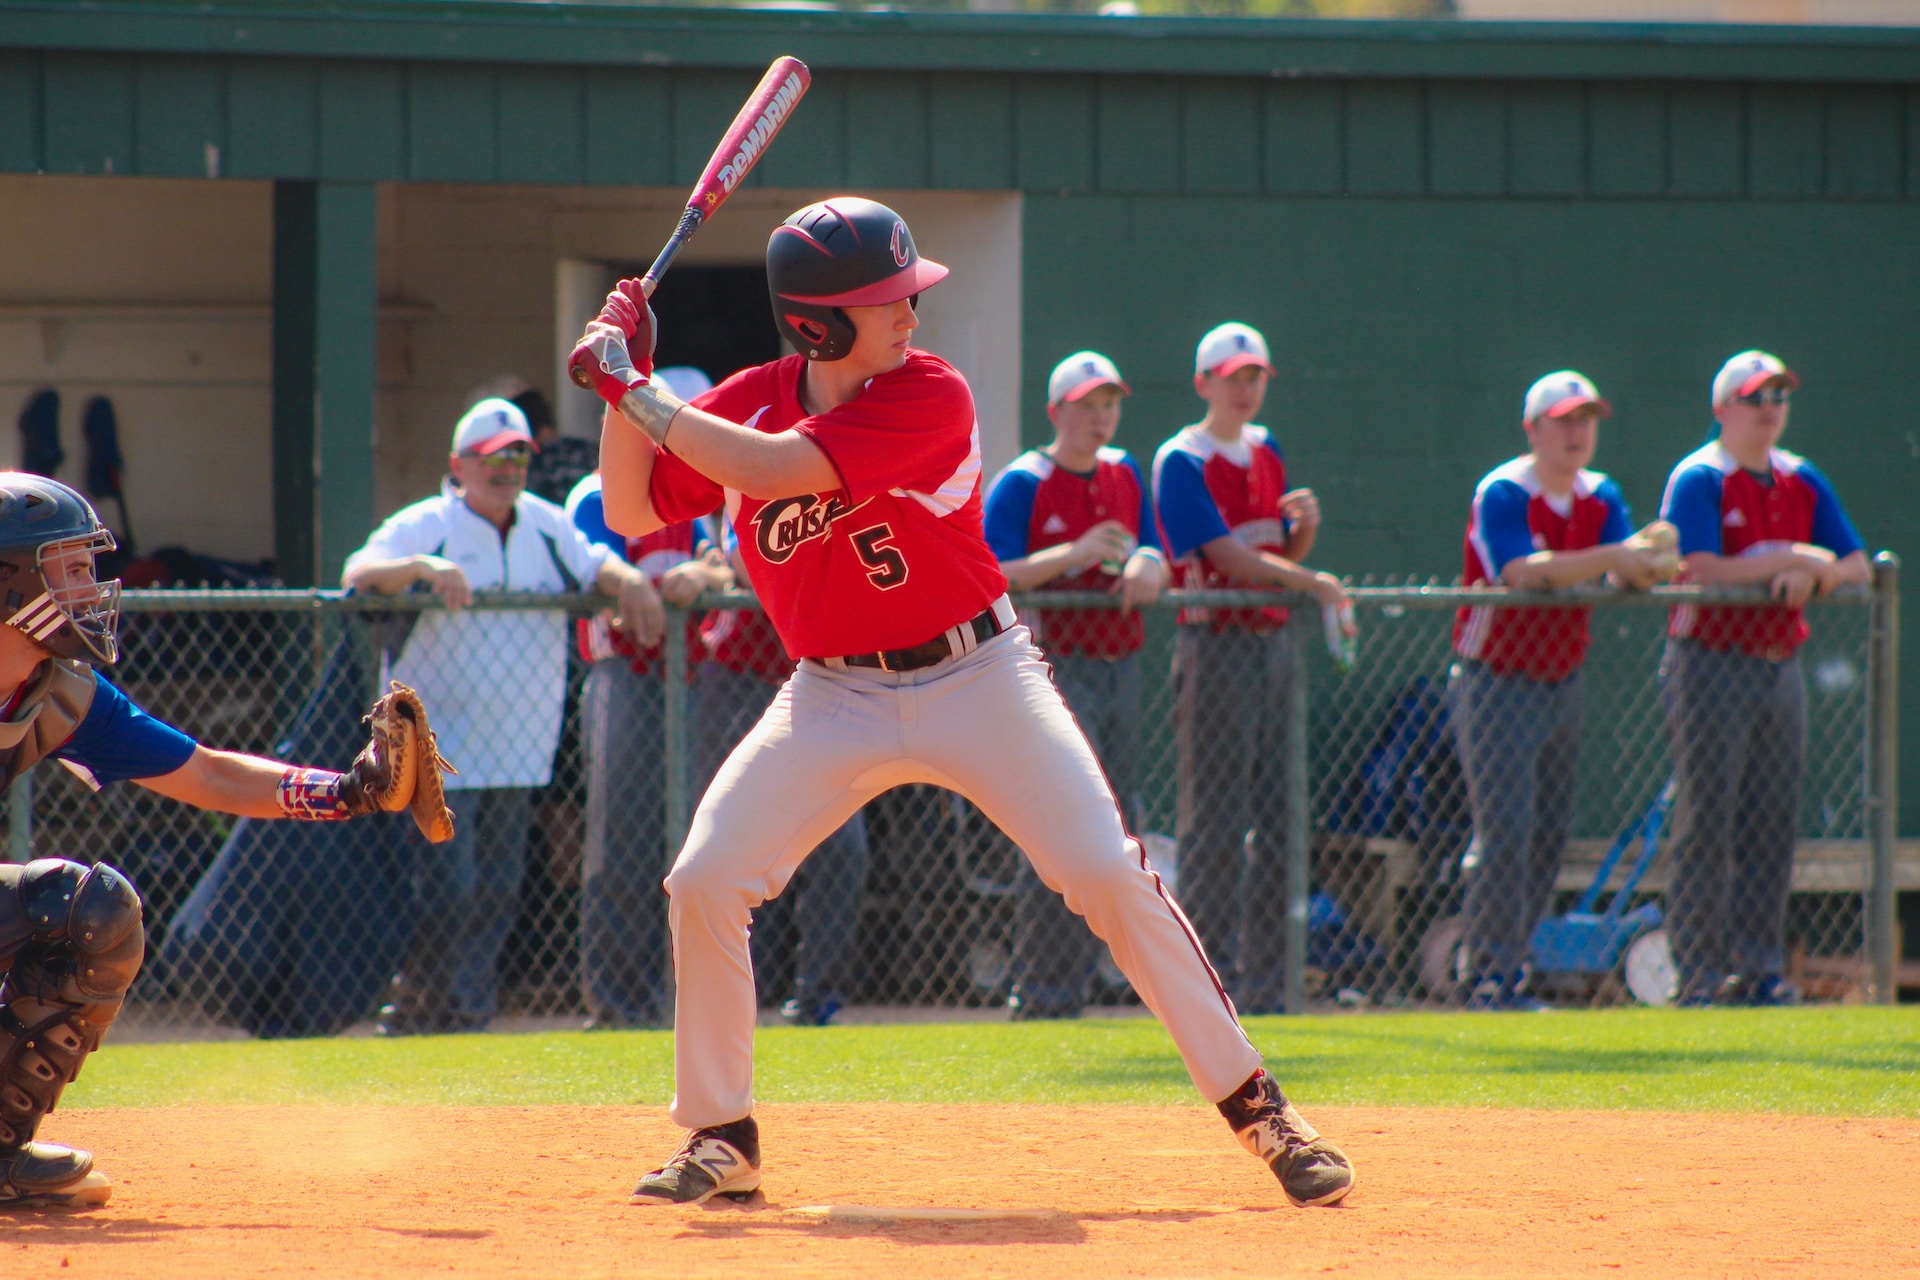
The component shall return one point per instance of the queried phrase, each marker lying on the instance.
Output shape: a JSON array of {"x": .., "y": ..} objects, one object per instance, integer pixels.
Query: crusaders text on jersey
[{"x": 893, "y": 557}]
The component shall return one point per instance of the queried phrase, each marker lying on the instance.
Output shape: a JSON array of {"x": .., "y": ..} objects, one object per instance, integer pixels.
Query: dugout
[{"x": 289, "y": 236}]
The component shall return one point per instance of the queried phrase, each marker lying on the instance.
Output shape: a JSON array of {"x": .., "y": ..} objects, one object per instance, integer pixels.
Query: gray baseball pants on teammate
[
  {"x": 1054, "y": 954},
  {"x": 466, "y": 895},
  {"x": 826, "y": 905},
  {"x": 989, "y": 725},
  {"x": 1519, "y": 743},
  {"x": 623, "y": 911},
  {"x": 1232, "y": 691},
  {"x": 1737, "y": 726}
]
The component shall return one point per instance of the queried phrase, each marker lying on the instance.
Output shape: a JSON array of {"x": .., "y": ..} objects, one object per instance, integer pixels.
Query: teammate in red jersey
[
  {"x": 1543, "y": 519},
  {"x": 1074, "y": 515},
  {"x": 852, "y": 472},
  {"x": 1748, "y": 512}
]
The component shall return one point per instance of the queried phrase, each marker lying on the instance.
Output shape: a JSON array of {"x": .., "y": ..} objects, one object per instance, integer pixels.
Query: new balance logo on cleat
[
  {"x": 1312, "y": 1171},
  {"x": 720, "y": 1161}
]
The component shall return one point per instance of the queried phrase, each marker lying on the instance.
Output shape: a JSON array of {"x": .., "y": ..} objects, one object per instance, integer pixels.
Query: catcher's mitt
[{"x": 401, "y": 767}]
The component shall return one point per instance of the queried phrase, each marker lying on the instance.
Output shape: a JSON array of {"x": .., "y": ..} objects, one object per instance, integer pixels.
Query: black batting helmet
[
  {"x": 845, "y": 251},
  {"x": 49, "y": 536}
]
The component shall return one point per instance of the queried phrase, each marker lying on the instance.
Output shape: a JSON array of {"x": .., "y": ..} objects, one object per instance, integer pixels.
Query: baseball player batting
[
  {"x": 71, "y": 939},
  {"x": 852, "y": 471}
]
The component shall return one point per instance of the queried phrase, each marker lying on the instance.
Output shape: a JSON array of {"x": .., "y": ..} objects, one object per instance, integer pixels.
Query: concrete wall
[
  {"x": 156, "y": 292},
  {"x": 153, "y": 292}
]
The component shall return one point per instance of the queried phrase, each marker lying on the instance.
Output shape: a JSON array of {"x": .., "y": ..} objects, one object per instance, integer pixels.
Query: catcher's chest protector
[{"x": 55, "y": 703}]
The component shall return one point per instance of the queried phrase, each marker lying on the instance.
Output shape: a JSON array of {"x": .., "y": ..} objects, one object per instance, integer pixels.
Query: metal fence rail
[{"x": 1347, "y": 877}]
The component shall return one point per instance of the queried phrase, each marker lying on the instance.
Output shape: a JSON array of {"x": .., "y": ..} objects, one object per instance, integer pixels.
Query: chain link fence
[{"x": 1318, "y": 823}]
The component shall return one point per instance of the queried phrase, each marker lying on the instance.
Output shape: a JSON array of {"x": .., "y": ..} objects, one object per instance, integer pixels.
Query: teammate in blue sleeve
[
  {"x": 71, "y": 938},
  {"x": 1076, "y": 515}
]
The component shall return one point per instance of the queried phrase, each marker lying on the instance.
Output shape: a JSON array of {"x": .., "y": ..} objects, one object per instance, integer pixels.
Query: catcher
[
  {"x": 71, "y": 938},
  {"x": 1543, "y": 520}
]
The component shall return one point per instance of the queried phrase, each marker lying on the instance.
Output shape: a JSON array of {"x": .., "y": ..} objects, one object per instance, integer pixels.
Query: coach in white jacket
[{"x": 496, "y": 682}]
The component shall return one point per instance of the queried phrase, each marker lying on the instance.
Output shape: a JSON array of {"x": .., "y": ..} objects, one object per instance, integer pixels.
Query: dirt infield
[{"x": 1102, "y": 1191}]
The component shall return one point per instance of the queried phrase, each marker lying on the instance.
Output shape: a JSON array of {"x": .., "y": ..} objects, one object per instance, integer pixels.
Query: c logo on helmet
[{"x": 902, "y": 245}]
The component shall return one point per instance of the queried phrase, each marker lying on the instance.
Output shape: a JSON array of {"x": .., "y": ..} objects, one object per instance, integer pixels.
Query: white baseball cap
[
  {"x": 1080, "y": 373},
  {"x": 1559, "y": 394},
  {"x": 490, "y": 426},
  {"x": 684, "y": 380},
  {"x": 1746, "y": 373},
  {"x": 1231, "y": 347}
]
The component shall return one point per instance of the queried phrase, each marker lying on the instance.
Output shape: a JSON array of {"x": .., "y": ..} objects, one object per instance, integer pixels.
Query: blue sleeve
[
  {"x": 1188, "y": 512},
  {"x": 590, "y": 517},
  {"x": 1149, "y": 527},
  {"x": 1009, "y": 513},
  {"x": 1831, "y": 528},
  {"x": 1503, "y": 525},
  {"x": 1692, "y": 506},
  {"x": 117, "y": 740},
  {"x": 1619, "y": 525}
]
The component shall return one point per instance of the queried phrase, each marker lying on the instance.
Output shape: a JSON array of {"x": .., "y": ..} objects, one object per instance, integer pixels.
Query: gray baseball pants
[
  {"x": 623, "y": 910},
  {"x": 1519, "y": 744},
  {"x": 1737, "y": 727},
  {"x": 1232, "y": 691},
  {"x": 726, "y": 704},
  {"x": 1054, "y": 953}
]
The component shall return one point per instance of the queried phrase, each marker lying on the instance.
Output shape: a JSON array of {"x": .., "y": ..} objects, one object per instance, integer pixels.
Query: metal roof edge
[{"x": 512, "y": 31}]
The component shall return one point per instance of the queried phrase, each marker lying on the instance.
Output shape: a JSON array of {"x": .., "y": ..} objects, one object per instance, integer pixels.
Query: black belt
[{"x": 984, "y": 625}]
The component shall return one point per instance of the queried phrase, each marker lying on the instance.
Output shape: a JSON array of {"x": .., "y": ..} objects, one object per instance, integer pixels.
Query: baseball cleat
[
  {"x": 1312, "y": 1171},
  {"x": 43, "y": 1175},
  {"x": 720, "y": 1161}
]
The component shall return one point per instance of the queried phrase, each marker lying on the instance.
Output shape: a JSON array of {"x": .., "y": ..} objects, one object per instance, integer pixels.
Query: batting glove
[{"x": 604, "y": 357}]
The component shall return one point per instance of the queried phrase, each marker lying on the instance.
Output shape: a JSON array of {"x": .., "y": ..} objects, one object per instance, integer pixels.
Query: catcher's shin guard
[{"x": 83, "y": 946}]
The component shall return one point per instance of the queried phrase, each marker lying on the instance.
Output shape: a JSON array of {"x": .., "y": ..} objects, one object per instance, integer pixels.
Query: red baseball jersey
[
  {"x": 744, "y": 640},
  {"x": 891, "y": 558},
  {"x": 1205, "y": 489},
  {"x": 653, "y": 555},
  {"x": 1719, "y": 506},
  {"x": 1035, "y": 504},
  {"x": 1513, "y": 517}
]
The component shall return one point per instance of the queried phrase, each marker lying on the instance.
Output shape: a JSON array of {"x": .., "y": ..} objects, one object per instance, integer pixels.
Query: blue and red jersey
[
  {"x": 1512, "y": 518},
  {"x": 653, "y": 555},
  {"x": 1036, "y": 503},
  {"x": 1205, "y": 488},
  {"x": 1720, "y": 507}
]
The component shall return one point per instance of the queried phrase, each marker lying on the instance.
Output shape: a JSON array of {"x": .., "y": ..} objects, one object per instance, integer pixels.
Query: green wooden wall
[{"x": 1422, "y": 216}]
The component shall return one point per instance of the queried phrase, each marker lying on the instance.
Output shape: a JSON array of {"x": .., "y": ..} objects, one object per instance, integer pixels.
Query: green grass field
[{"x": 1826, "y": 1061}]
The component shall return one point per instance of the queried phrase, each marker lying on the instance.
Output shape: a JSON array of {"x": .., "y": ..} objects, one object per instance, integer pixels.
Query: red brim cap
[
  {"x": 1234, "y": 364},
  {"x": 500, "y": 440},
  {"x": 922, "y": 274},
  {"x": 1571, "y": 403},
  {"x": 1762, "y": 378},
  {"x": 1083, "y": 388}
]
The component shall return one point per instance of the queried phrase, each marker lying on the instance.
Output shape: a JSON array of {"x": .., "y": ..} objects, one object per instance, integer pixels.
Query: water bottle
[
  {"x": 1343, "y": 634},
  {"x": 1116, "y": 567}
]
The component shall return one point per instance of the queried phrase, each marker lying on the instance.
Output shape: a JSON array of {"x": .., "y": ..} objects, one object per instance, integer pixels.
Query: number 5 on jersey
[{"x": 886, "y": 567}]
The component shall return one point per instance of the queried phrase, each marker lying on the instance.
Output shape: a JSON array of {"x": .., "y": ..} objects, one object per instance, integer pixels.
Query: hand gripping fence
[{"x": 1651, "y": 823}]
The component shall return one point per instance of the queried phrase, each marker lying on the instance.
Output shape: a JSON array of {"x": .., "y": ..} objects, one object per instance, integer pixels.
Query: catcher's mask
[
  {"x": 49, "y": 536},
  {"x": 845, "y": 251}
]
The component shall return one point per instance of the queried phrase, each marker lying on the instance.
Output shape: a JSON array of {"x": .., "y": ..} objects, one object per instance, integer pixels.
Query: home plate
[{"x": 881, "y": 1213}]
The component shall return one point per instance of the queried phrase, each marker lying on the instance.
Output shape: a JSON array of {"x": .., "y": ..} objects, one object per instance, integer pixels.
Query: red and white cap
[
  {"x": 1747, "y": 372},
  {"x": 1559, "y": 394},
  {"x": 1229, "y": 348},
  {"x": 1080, "y": 373},
  {"x": 490, "y": 426}
]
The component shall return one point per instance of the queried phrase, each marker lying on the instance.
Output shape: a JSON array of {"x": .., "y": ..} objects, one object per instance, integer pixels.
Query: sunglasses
[
  {"x": 1767, "y": 395},
  {"x": 513, "y": 455}
]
